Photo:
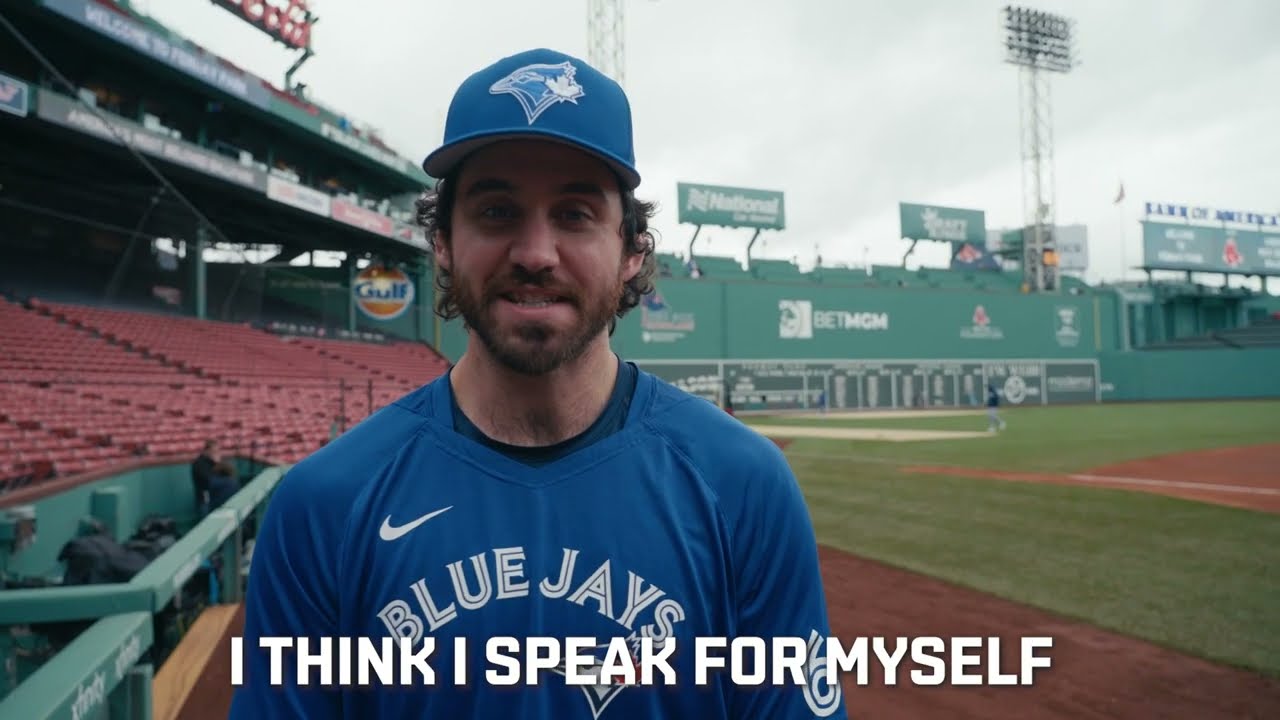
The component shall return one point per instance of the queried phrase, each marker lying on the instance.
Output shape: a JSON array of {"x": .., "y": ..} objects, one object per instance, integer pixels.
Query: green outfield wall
[
  {"x": 1190, "y": 374},
  {"x": 781, "y": 345},
  {"x": 1263, "y": 306},
  {"x": 742, "y": 320},
  {"x": 700, "y": 319}
]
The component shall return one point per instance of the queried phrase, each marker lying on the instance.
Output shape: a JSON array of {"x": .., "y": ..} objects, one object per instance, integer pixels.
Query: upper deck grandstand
[{"x": 160, "y": 209}]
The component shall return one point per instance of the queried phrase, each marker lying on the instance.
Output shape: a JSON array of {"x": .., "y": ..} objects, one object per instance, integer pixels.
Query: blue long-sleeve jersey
[{"x": 684, "y": 523}]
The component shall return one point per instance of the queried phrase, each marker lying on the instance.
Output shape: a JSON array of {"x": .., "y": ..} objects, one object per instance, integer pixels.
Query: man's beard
[{"x": 534, "y": 348}]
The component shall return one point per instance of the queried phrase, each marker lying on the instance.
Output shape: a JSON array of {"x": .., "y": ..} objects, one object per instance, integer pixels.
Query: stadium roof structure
[
  {"x": 73, "y": 157},
  {"x": 118, "y": 26},
  {"x": 91, "y": 181}
]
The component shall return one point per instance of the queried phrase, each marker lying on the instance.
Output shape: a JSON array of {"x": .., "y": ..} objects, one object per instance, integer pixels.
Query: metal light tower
[
  {"x": 606, "y": 38},
  {"x": 1038, "y": 43}
]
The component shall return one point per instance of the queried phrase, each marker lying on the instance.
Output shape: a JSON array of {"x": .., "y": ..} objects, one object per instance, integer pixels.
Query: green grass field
[{"x": 1195, "y": 577}]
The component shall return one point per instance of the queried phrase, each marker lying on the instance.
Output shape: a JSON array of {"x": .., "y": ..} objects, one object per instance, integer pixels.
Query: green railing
[
  {"x": 102, "y": 673},
  {"x": 96, "y": 676}
]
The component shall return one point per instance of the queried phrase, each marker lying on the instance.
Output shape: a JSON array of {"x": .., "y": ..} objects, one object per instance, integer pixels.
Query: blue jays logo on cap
[
  {"x": 539, "y": 94},
  {"x": 538, "y": 87}
]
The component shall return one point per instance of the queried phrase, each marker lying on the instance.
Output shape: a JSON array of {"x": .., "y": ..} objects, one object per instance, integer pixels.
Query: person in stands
[
  {"x": 224, "y": 483},
  {"x": 202, "y": 476}
]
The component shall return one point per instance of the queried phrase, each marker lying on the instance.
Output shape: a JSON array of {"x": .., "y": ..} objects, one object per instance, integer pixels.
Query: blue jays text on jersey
[{"x": 684, "y": 523}]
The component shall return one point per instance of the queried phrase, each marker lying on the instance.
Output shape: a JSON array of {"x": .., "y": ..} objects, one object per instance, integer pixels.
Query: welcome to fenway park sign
[{"x": 288, "y": 21}]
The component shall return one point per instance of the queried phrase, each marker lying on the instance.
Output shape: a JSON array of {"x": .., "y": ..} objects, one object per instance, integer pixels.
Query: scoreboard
[{"x": 881, "y": 384}]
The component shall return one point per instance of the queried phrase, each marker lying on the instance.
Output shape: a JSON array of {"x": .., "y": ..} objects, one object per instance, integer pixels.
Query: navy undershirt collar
[{"x": 610, "y": 421}]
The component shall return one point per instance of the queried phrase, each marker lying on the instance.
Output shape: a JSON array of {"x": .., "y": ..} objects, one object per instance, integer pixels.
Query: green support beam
[
  {"x": 199, "y": 273},
  {"x": 80, "y": 602}
]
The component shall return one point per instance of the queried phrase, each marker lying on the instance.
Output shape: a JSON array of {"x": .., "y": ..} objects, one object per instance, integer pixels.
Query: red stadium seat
[{"x": 89, "y": 387}]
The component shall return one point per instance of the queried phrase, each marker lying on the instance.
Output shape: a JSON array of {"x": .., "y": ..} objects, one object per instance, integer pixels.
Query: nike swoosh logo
[{"x": 389, "y": 533}]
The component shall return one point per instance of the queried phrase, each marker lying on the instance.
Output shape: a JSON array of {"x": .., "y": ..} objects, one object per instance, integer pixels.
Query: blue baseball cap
[{"x": 539, "y": 94}]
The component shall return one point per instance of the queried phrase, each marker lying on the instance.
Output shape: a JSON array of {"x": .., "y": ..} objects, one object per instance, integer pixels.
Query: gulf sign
[{"x": 383, "y": 293}]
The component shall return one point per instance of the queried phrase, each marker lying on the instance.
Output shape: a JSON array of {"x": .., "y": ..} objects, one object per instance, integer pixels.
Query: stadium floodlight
[
  {"x": 1039, "y": 43},
  {"x": 606, "y": 38},
  {"x": 1038, "y": 40}
]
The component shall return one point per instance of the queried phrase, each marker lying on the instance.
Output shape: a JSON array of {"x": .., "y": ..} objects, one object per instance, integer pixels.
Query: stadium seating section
[{"x": 86, "y": 388}]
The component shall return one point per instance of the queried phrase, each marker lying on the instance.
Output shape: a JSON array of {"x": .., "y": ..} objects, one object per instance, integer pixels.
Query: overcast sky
[{"x": 846, "y": 107}]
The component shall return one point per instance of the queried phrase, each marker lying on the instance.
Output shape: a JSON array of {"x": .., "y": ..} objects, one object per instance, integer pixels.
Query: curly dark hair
[{"x": 434, "y": 213}]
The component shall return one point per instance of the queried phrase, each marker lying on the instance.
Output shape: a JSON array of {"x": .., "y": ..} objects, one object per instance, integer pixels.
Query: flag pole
[
  {"x": 1124, "y": 246},
  {"x": 1124, "y": 240}
]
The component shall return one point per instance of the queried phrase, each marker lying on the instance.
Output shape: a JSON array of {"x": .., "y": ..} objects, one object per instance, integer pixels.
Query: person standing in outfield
[
  {"x": 994, "y": 421},
  {"x": 543, "y": 486}
]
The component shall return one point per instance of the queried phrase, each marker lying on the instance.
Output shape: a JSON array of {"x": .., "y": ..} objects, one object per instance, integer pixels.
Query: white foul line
[
  {"x": 1178, "y": 484},
  {"x": 1083, "y": 478}
]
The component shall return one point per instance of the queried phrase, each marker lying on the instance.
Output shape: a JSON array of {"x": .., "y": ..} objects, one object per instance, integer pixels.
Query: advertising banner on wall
[
  {"x": 973, "y": 257},
  {"x": 172, "y": 51},
  {"x": 730, "y": 207},
  {"x": 364, "y": 218},
  {"x": 383, "y": 293},
  {"x": 1019, "y": 383},
  {"x": 1261, "y": 220},
  {"x": 286, "y": 21},
  {"x": 1072, "y": 244},
  {"x": 15, "y": 96},
  {"x": 1200, "y": 248},
  {"x": 69, "y": 113},
  {"x": 1070, "y": 383},
  {"x": 661, "y": 322},
  {"x": 942, "y": 224},
  {"x": 411, "y": 235},
  {"x": 295, "y": 195},
  {"x": 799, "y": 320}
]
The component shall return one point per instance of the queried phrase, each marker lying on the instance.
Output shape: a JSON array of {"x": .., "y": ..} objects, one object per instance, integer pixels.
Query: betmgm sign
[{"x": 797, "y": 320}]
